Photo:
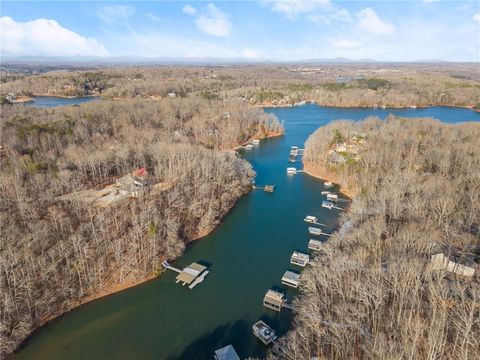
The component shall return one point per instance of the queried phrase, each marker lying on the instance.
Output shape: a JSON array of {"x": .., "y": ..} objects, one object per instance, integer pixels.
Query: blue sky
[{"x": 250, "y": 30}]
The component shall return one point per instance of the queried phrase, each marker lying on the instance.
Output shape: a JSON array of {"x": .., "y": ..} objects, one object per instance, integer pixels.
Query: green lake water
[{"x": 248, "y": 253}]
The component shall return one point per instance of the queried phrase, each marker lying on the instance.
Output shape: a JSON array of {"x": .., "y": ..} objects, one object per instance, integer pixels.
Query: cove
[{"x": 249, "y": 253}]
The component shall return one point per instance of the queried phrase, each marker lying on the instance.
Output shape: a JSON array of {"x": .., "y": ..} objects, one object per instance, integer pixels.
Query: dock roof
[
  {"x": 226, "y": 353},
  {"x": 189, "y": 273}
]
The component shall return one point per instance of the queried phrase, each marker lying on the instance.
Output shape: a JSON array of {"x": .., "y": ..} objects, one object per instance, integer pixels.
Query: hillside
[
  {"x": 400, "y": 279},
  {"x": 95, "y": 196}
]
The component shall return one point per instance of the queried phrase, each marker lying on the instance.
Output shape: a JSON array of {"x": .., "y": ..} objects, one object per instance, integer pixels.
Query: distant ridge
[{"x": 138, "y": 60}]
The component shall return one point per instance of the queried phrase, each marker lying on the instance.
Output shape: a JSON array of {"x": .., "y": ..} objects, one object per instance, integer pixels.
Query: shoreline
[
  {"x": 322, "y": 174},
  {"x": 263, "y": 106},
  {"x": 128, "y": 283}
]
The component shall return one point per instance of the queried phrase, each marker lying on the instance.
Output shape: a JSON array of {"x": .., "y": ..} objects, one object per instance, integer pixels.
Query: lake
[
  {"x": 249, "y": 253},
  {"x": 51, "y": 101}
]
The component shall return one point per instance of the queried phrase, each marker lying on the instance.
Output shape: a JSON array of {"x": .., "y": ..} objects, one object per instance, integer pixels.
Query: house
[{"x": 441, "y": 262}]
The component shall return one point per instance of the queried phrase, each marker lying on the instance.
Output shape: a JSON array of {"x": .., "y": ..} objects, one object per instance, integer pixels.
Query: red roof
[{"x": 141, "y": 172}]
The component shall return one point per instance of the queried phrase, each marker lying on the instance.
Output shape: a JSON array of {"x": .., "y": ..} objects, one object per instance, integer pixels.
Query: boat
[
  {"x": 291, "y": 170},
  {"x": 326, "y": 192},
  {"x": 264, "y": 332},
  {"x": 293, "y": 152},
  {"x": 292, "y": 158},
  {"x": 249, "y": 146},
  {"x": 310, "y": 219},
  {"x": 314, "y": 231},
  {"x": 299, "y": 259},
  {"x": 327, "y": 204},
  {"x": 332, "y": 197},
  {"x": 255, "y": 142}
]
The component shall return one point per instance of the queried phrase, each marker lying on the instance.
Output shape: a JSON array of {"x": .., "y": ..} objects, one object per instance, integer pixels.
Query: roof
[
  {"x": 290, "y": 275},
  {"x": 189, "y": 273},
  {"x": 226, "y": 353},
  {"x": 140, "y": 172},
  {"x": 274, "y": 296},
  {"x": 300, "y": 255}
]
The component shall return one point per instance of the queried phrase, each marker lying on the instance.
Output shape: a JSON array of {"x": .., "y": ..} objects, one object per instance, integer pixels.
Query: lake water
[
  {"x": 249, "y": 253},
  {"x": 50, "y": 101}
]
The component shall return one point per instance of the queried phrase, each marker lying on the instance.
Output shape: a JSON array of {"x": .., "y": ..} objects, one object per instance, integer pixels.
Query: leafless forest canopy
[
  {"x": 62, "y": 241},
  {"x": 77, "y": 221},
  {"x": 362, "y": 85},
  {"x": 373, "y": 292}
]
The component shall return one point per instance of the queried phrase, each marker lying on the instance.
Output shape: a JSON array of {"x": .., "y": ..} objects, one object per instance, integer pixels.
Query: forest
[
  {"x": 376, "y": 290},
  {"x": 95, "y": 196},
  {"x": 342, "y": 85}
]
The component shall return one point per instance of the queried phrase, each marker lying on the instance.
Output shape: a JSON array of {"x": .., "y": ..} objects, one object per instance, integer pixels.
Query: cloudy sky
[{"x": 250, "y": 30}]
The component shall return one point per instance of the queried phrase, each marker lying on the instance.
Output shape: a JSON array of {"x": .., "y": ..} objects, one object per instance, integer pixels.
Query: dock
[
  {"x": 315, "y": 245},
  {"x": 226, "y": 353},
  {"x": 291, "y": 278},
  {"x": 274, "y": 300},
  {"x": 266, "y": 188},
  {"x": 328, "y": 185},
  {"x": 300, "y": 259},
  {"x": 264, "y": 332},
  {"x": 192, "y": 275}
]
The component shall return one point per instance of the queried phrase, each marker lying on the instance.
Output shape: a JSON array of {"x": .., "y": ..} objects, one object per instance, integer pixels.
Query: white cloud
[
  {"x": 342, "y": 15},
  {"x": 344, "y": 43},
  {"x": 113, "y": 13},
  {"x": 476, "y": 18},
  {"x": 154, "y": 17},
  {"x": 370, "y": 22},
  {"x": 249, "y": 54},
  {"x": 189, "y": 9},
  {"x": 292, "y": 8},
  {"x": 214, "y": 22},
  {"x": 46, "y": 38}
]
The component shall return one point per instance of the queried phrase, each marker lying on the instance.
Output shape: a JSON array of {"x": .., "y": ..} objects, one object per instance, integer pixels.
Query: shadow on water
[{"x": 237, "y": 334}]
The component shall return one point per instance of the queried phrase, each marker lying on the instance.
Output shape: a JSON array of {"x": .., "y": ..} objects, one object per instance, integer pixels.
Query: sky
[{"x": 288, "y": 30}]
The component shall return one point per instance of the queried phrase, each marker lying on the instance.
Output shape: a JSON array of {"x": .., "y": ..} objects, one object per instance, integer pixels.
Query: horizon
[{"x": 253, "y": 32}]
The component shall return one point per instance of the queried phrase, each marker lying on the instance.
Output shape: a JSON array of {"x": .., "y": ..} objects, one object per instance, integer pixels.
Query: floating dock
[
  {"x": 315, "y": 245},
  {"x": 327, "y": 204},
  {"x": 291, "y": 278},
  {"x": 330, "y": 205},
  {"x": 269, "y": 188},
  {"x": 314, "y": 231},
  {"x": 274, "y": 300},
  {"x": 328, "y": 185},
  {"x": 191, "y": 275},
  {"x": 264, "y": 332},
  {"x": 299, "y": 259},
  {"x": 310, "y": 219},
  {"x": 332, "y": 197}
]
